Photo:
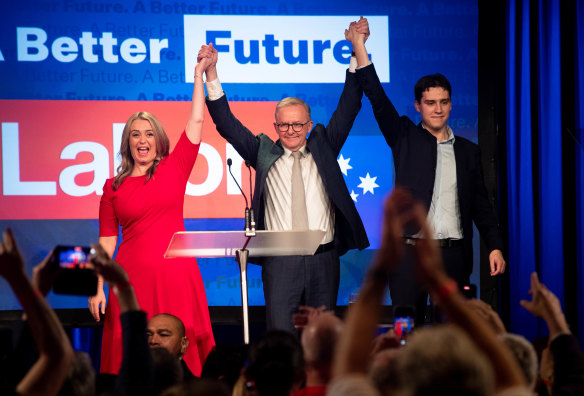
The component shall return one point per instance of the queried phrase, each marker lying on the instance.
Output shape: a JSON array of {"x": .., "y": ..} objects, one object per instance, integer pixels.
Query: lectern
[{"x": 239, "y": 245}]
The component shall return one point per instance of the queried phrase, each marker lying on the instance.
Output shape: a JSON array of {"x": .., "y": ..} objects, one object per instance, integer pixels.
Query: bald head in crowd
[{"x": 168, "y": 332}]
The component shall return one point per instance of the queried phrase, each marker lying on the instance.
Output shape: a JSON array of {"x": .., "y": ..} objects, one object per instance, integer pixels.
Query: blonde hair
[
  {"x": 162, "y": 147},
  {"x": 291, "y": 101}
]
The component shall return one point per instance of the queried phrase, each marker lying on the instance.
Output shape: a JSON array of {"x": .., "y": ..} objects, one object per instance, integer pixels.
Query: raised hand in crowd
[
  {"x": 361, "y": 321},
  {"x": 116, "y": 278},
  {"x": 48, "y": 373},
  {"x": 563, "y": 353},
  {"x": 43, "y": 274},
  {"x": 384, "y": 341},
  {"x": 488, "y": 314},
  {"x": 544, "y": 304},
  {"x": 305, "y": 314}
]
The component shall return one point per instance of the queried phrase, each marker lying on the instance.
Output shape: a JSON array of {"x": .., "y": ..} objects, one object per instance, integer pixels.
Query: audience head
[
  {"x": 352, "y": 385},
  {"x": 275, "y": 363},
  {"x": 167, "y": 369},
  {"x": 525, "y": 354},
  {"x": 224, "y": 363},
  {"x": 319, "y": 339},
  {"x": 167, "y": 331},
  {"x": 384, "y": 372},
  {"x": 201, "y": 387},
  {"x": 80, "y": 379},
  {"x": 443, "y": 360}
]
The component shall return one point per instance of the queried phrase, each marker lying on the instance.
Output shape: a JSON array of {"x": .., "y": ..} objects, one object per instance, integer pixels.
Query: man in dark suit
[
  {"x": 297, "y": 167},
  {"x": 441, "y": 170}
]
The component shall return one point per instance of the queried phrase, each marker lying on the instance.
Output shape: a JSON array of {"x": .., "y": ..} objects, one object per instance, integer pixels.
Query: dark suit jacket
[
  {"x": 324, "y": 144},
  {"x": 414, "y": 153}
]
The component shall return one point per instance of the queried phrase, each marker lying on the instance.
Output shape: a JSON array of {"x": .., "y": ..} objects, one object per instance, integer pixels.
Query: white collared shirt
[
  {"x": 278, "y": 197},
  {"x": 444, "y": 213}
]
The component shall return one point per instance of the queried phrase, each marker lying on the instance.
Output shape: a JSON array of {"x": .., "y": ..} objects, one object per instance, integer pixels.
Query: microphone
[
  {"x": 247, "y": 212},
  {"x": 251, "y": 215}
]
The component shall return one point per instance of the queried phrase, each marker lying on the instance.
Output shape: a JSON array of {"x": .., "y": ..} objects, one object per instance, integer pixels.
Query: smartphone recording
[
  {"x": 403, "y": 322},
  {"x": 76, "y": 275}
]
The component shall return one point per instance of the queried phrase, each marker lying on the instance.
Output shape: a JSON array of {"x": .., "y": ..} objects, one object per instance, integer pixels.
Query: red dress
[{"x": 150, "y": 213}]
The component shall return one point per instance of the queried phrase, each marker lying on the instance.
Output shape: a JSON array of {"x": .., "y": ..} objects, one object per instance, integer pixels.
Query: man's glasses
[{"x": 296, "y": 127}]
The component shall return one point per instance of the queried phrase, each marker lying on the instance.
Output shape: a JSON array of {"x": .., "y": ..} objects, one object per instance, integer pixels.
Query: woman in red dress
[{"x": 146, "y": 198}]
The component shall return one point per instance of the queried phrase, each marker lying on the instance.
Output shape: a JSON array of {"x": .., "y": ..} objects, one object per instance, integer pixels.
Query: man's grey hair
[
  {"x": 443, "y": 360},
  {"x": 291, "y": 101},
  {"x": 524, "y": 353}
]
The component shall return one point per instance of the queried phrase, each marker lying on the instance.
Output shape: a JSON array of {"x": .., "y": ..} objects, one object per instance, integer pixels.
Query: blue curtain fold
[
  {"x": 543, "y": 156},
  {"x": 549, "y": 134},
  {"x": 519, "y": 169}
]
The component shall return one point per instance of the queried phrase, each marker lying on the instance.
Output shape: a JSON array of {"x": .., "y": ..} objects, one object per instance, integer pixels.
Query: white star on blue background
[
  {"x": 368, "y": 184},
  {"x": 344, "y": 164}
]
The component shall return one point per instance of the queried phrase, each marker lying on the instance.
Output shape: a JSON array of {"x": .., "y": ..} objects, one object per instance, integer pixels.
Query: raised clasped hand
[
  {"x": 358, "y": 32},
  {"x": 206, "y": 58},
  {"x": 362, "y": 27}
]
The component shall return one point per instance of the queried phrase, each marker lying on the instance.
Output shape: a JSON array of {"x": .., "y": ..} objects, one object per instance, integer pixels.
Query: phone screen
[
  {"x": 403, "y": 322},
  {"x": 403, "y": 326},
  {"x": 73, "y": 257},
  {"x": 76, "y": 275}
]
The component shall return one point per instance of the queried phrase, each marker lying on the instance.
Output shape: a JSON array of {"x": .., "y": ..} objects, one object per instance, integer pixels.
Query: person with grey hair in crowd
[{"x": 525, "y": 354}]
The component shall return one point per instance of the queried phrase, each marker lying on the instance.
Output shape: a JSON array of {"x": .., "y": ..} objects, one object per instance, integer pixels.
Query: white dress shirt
[{"x": 444, "y": 213}]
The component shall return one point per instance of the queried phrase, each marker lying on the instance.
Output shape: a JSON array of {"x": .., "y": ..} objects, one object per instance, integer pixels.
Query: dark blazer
[
  {"x": 414, "y": 154},
  {"x": 324, "y": 144}
]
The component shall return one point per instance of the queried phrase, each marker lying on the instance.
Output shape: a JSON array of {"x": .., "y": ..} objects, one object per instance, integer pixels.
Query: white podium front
[{"x": 239, "y": 245}]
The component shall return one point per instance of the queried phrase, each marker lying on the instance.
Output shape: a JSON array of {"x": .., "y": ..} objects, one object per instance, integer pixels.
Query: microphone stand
[
  {"x": 249, "y": 221},
  {"x": 241, "y": 256},
  {"x": 251, "y": 215}
]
